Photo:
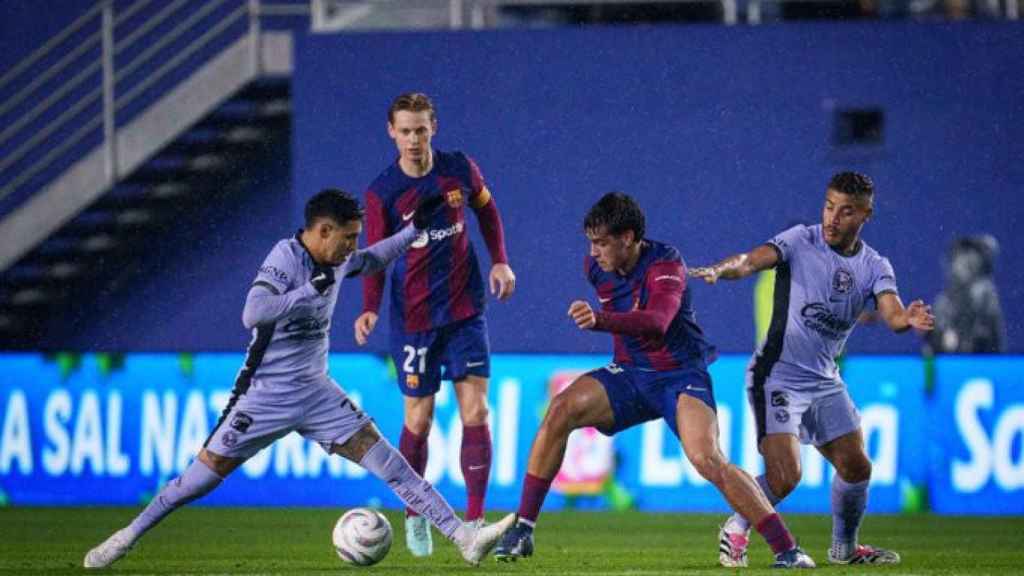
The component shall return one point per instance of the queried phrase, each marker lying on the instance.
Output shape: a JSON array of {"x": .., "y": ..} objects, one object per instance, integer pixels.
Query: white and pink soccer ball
[{"x": 362, "y": 537}]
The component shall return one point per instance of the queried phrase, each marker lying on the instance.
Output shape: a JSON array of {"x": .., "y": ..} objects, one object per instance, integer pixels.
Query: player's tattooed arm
[
  {"x": 917, "y": 315},
  {"x": 739, "y": 266}
]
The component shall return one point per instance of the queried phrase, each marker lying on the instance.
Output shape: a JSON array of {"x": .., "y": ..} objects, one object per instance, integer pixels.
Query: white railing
[
  {"x": 118, "y": 58},
  {"x": 102, "y": 23}
]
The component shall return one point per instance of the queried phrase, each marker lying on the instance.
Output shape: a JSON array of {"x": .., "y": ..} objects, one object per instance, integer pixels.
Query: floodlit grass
[{"x": 198, "y": 540}]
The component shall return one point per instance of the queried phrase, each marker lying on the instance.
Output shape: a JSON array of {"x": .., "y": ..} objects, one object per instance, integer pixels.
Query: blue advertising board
[
  {"x": 111, "y": 430},
  {"x": 976, "y": 436}
]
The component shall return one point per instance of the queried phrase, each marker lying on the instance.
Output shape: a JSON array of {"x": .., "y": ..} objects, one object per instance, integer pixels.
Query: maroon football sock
[
  {"x": 534, "y": 491},
  {"x": 774, "y": 531},
  {"x": 414, "y": 450},
  {"x": 476, "y": 467}
]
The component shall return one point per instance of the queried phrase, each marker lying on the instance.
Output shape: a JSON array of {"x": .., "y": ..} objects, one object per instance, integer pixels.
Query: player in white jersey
[
  {"x": 825, "y": 276},
  {"x": 284, "y": 386}
]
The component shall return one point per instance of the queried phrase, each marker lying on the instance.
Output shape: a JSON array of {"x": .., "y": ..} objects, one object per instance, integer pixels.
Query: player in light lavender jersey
[
  {"x": 825, "y": 277},
  {"x": 284, "y": 386}
]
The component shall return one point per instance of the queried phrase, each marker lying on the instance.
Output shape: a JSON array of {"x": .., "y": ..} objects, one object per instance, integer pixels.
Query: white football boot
[
  {"x": 110, "y": 551},
  {"x": 732, "y": 548},
  {"x": 478, "y": 539}
]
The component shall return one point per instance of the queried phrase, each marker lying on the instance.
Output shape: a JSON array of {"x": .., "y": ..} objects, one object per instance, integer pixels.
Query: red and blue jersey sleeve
[
  {"x": 486, "y": 210},
  {"x": 649, "y": 313}
]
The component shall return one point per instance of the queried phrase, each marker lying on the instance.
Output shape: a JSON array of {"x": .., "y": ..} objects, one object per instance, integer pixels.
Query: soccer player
[
  {"x": 825, "y": 276},
  {"x": 284, "y": 386},
  {"x": 437, "y": 296},
  {"x": 659, "y": 371}
]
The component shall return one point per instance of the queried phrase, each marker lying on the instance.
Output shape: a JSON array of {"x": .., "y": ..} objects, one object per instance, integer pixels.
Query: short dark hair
[
  {"x": 616, "y": 212},
  {"x": 411, "y": 102},
  {"x": 335, "y": 204},
  {"x": 852, "y": 184}
]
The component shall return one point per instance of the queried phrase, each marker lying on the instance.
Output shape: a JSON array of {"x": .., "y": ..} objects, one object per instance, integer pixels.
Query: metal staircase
[{"x": 135, "y": 116}]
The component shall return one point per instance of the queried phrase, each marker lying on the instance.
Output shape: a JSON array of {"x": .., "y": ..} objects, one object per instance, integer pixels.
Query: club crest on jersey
[
  {"x": 454, "y": 197},
  {"x": 779, "y": 398},
  {"x": 412, "y": 380},
  {"x": 842, "y": 282},
  {"x": 241, "y": 422},
  {"x": 781, "y": 416},
  {"x": 230, "y": 439}
]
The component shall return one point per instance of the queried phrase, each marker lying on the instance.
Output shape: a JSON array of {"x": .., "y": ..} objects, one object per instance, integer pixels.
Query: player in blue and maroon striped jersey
[
  {"x": 659, "y": 371},
  {"x": 437, "y": 295}
]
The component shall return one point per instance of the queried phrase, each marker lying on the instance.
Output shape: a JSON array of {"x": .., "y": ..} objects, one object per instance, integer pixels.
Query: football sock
[
  {"x": 386, "y": 463},
  {"x": 848, "y": 504},
  {"x": 195, "y": 482},
  {"x": 414, "y": 449},
  {"x": 476, "y": 467},
  {"x": 736, "y": 523},
  {"x": 534, "y": 491},
  {"x": 774, "y": 531}
]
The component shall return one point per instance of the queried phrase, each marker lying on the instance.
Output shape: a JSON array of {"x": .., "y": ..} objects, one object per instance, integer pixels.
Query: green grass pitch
[{"x": 203, "y": 540}]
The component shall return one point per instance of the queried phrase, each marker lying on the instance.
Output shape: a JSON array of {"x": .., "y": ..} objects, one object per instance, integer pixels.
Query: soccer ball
[{"x": 362, "y": 537}]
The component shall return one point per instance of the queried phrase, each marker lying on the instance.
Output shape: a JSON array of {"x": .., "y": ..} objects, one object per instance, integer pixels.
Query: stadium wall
[
  {"x": 100, "y": 429},
  {"x": 726, "y": 136}
]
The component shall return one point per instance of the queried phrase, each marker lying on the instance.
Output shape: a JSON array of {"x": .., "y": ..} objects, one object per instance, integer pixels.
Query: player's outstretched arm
[
  {"x": 265, "y": 304},
  {"x": 376, "y": 257},
  {"x": 917, "y": 315},
  {"x": 739, "y": 266}
]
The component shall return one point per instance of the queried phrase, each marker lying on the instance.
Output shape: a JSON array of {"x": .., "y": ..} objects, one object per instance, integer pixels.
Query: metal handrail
[
  {"x": 49, "y": 45},
  {"x": 46, "y": 76},
  {"x": 153, "y": 22},
  {"x": 111, "y": 75},
  {"x": 43, "y": 106},
  {"x": 45, "y": 161},
  {"x": 171, "y": 36},
  {"x": 131, "y": 11},
  {"x": 50, "y": 128},
  {"x": 196, "y": 45}
]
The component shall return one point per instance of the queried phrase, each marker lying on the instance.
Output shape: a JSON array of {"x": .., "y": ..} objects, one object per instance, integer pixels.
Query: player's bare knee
[
  {"x": 710, "y": 465},
  {"x": 854, "y": 470},
  {"x": 475, "y": 415},
  {"x": 559, "y": 417},
  {"x": 419, "y": 423},
  {"x": 784, "y": 479}
]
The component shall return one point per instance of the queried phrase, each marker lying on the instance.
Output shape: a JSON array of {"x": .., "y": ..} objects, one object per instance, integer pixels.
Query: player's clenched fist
[
  {"x": 582, "y": 314},
  {"x": 364, "y": 325}
]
